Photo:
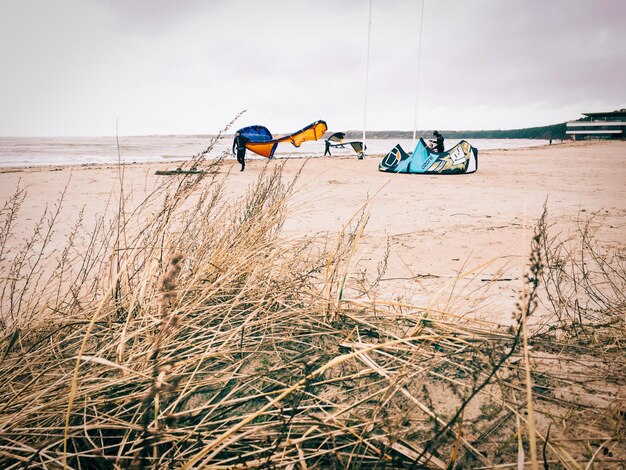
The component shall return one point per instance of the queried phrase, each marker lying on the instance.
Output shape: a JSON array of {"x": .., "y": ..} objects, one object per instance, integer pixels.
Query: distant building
[{"x": 611, "y": 125}]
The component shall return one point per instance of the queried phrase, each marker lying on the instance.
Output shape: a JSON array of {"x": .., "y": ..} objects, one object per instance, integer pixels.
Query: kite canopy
[
  {"x": 462, "y": 158},
  {"x": 256, "y": 133},
  {"x": 260, "y": 141},
  {"x": 337, "y": 137},
  {"x": 358, "y": 147}
]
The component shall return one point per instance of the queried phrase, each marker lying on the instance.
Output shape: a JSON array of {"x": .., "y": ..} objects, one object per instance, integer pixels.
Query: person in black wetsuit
[
  {"x": 239, "y": 146},
  {"x": 437, "y": 145},
  {"x": 327, "y": 149}
]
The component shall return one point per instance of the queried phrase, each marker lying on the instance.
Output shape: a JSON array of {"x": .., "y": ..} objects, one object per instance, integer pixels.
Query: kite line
[
  {"x": 367, "y": 70},
  {"x": 419, "y": 62}
]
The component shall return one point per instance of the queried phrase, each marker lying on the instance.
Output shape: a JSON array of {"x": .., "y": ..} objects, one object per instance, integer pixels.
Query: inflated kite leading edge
[
  {"x": 260, "y": 141},
  {"x": 462, "y": 158}
]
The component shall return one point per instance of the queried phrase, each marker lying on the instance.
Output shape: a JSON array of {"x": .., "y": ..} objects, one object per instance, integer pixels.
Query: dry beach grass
[{"x": 194, "y": 328}]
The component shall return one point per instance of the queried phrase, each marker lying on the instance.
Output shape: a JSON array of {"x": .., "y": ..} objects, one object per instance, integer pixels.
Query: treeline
[{"x": 554, "y": 131}]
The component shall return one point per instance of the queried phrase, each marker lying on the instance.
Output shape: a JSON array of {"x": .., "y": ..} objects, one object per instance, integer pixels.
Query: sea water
[{"x": 59, "y": 151}]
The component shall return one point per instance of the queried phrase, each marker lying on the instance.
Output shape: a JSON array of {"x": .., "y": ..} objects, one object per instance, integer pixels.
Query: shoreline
[
  {"x": 312, "y": 150},
  {"x": 231, "y": 159}
]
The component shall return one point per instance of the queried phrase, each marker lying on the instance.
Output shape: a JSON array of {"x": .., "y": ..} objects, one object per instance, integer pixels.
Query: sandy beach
[
  {"x": 438, "y": 228},
  {"x": 194, "y": 317}
]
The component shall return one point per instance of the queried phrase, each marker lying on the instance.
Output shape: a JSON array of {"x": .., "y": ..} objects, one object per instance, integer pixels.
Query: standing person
[
  {"x": 437, "y": 145},
  {"x": 239, "y": 145},
  {"x": 327, "y": 149}
]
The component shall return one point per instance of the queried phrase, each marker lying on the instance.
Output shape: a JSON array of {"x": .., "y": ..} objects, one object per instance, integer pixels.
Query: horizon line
[{"x": 193, "y": 134}]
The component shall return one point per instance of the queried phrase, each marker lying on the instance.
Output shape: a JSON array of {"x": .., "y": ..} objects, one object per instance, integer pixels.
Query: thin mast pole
[
  {"x": 419, "y": 64},
  {"x": 367, "y": 70}
]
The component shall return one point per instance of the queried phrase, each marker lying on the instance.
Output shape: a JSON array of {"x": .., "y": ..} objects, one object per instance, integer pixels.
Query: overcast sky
[{"x": 72, "y": 67}]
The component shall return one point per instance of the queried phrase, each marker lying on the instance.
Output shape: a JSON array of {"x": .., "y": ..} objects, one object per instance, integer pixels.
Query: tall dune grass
[{"x": 188, "y": 333}]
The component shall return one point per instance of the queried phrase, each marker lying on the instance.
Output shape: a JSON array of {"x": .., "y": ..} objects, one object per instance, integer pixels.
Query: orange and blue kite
[{"x": 260, "y": 140}]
